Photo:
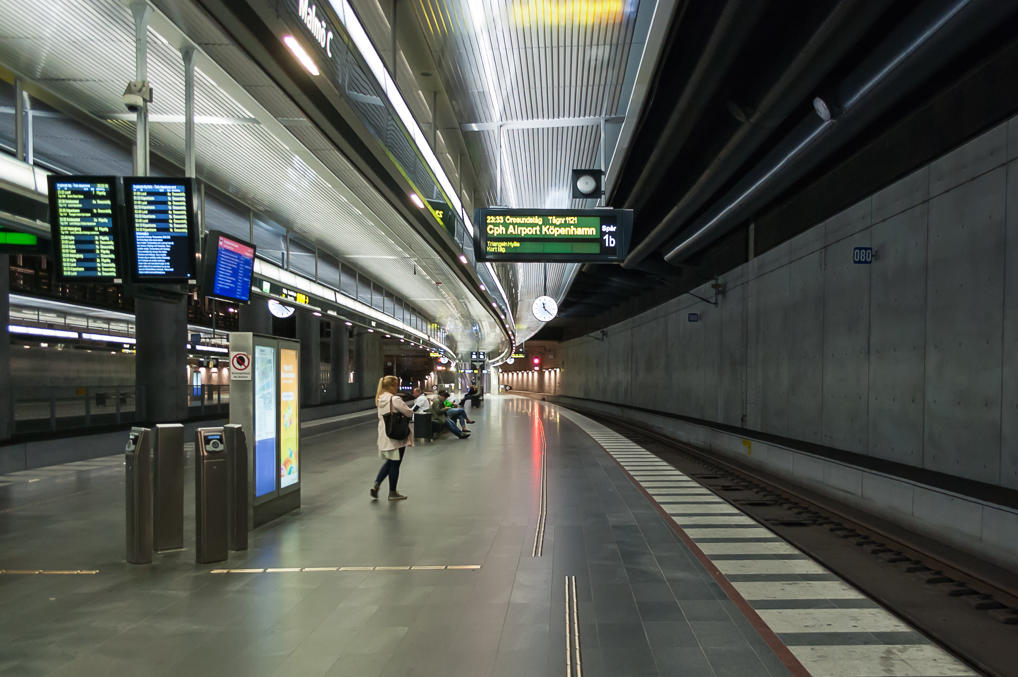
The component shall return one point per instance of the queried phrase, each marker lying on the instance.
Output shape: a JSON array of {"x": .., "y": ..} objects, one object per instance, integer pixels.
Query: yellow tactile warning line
[
  {"x": 48, "y": 572},
  {"x": 304, "y": 570}
]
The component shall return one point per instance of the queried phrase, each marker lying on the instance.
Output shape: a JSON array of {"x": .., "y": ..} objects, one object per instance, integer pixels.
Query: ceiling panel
[{"x": 287, "y": 168}]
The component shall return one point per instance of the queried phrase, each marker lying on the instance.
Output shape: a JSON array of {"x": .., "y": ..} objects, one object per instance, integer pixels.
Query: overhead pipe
[
  {"x": 838, "y": 33},
  {"x": 927, "y": 40},
  {"x": 727, "y": 38}
]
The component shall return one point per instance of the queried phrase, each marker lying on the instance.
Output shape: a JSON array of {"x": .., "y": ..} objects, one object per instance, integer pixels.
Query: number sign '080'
[{"x": 590, "y": 235}]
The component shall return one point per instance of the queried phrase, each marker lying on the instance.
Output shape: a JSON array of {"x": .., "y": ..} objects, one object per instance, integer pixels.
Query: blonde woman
[{"x": 391, "y": 450}]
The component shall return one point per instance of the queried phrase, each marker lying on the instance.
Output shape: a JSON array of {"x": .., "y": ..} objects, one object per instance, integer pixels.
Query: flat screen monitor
[
  {"x": 160, "y": 227},
  {"x": 85, "y": 224},
  {"x": 563, "y": 235},
  {"x": 227, "y": 265}
]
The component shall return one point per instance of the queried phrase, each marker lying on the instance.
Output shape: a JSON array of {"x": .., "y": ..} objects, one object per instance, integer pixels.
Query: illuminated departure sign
[
  {"x": 85, "y": 227},
  {"x": 228, "y": 264},
  {"x": 537, "y": 235},
  {"x": 160, "y": 218}
]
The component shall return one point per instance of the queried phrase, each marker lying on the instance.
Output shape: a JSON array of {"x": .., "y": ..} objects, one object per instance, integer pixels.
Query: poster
[
  {"x": 289, "y": 420},
  {"x": 265, "y": 420}
]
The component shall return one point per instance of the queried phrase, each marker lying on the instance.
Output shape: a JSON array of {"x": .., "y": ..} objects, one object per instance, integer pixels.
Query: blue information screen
[
  {"x": 234, "y": 265},
  {"x": 161, "y": 220}
]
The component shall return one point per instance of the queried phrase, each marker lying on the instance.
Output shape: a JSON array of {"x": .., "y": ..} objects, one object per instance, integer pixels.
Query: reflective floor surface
[{"x": 467, "y": 577}]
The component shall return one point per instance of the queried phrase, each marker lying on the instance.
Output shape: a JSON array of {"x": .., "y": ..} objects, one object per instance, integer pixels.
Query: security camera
[{"x": 138, "y": 92}]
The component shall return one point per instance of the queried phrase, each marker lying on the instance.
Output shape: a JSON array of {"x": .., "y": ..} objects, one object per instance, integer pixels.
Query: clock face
[
  {"x": 545, "y": 308},
  {"x": 586, "y": 184}
]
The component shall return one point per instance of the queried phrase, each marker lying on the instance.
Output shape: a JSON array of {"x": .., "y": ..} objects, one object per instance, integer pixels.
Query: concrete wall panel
[
  {"x": 848, "y": 222},
  {"x": 772, "y": 349},
  {"x": 965, "y": 284},
  {"x": 898, "y": 337},
  {"x": 901, "y": 195},
  {"x": 1009, "y": 392},
  {"x": 970, "y": 160},
  {"x": 732, "y": 366},
  {"x": 846, "y": 319},
  {"x": 803, "y": 338}
]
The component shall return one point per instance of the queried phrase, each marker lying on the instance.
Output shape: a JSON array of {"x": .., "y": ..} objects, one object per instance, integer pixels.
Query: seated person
[
  {"x": 456, "y": 412},
  {"x": 421, "y": 402},
  {"x": 440, "y": 417}
]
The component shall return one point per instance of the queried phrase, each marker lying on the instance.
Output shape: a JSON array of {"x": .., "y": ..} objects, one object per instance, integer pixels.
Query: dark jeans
[
  {"x": 453, "y": 428},
  {"x": 390, "y": 468},
  {"x": 458, "y": 414}
]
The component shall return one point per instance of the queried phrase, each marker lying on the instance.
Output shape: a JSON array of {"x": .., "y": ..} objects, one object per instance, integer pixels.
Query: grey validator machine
[
  {"x": 168, "y": 515},
  {"x": 138, "y": 482},
  {"x": 211, "y": 468}
]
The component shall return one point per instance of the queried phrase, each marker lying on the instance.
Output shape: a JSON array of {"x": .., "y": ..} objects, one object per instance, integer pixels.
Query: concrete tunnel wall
[{"x": 912, "y": 358}]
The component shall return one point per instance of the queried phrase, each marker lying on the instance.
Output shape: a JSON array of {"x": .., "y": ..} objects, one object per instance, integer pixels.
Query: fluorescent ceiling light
[
  {"x": 38, "y": 331},
  {"x": 211, "y": 349},
  {"x": 463, "y": 259},
  {"x": 108, "y": 337},
  {"x": 417, "y": 201},
  {"x": 302, "y": 56}
]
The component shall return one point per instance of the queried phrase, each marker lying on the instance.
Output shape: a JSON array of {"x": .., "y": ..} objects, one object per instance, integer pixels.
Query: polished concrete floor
[{"x": 645, "y": 604}]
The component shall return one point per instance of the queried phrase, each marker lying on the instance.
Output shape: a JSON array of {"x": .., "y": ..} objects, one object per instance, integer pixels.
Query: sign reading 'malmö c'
[{"x": 309, "y": 15}]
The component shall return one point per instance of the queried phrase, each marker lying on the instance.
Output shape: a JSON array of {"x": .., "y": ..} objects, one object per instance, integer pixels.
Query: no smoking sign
[{"x": 240, "y": 366}]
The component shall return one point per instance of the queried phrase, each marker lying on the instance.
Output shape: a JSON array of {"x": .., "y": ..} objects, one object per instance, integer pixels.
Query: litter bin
[
  {"x": 210, "y": 489},
  {"x": 138, "y": 483}
]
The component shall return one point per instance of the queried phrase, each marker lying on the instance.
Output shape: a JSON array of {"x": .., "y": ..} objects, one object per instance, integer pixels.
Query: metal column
[
  {"x": 187, "y": 54},
  {"x": 142, "y": 12}
]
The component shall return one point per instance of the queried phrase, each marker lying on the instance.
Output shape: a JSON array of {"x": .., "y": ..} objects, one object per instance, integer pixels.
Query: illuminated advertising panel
[
  {"x": 85, "y": 227},
  {"x": 265, "y": 420},
  {"x": 160, "y": 221},
  {"x": 565, "y": 235},
  {"x": 289, "y": 419}
]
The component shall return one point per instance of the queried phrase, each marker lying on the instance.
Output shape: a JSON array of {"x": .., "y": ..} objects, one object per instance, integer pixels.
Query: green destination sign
[
  {"x": 553, "y": 234},
  {"x": 12, "y": 242}
]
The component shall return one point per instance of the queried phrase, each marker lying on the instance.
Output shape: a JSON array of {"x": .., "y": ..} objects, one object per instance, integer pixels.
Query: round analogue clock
[{"x": 545, "y": 308}]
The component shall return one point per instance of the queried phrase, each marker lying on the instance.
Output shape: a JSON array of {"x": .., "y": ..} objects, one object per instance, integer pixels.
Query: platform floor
[{"x": 468, "y": 577}]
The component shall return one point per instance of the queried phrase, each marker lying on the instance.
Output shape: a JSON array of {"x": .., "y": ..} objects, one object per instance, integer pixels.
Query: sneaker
[
  {"x": 469, "y": 421},
  {"x": 374, "y": 491},
  {"x": 464, "y": 435},
  {"x": 396, "y": 496}
]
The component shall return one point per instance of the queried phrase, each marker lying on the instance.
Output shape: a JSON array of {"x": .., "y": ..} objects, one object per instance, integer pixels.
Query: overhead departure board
[
  {"x": 85, "y": 227},
  {"x": 228, "y": 264},
  {"x": 536, "y": 235},
  {"x": 160, "y": 218}
]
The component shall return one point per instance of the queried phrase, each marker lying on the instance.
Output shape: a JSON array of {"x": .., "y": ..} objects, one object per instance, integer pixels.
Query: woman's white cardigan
[{"x": 389, "y": 448}]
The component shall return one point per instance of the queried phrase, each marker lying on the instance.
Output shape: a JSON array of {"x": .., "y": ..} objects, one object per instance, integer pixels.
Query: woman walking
[{"x": 387, "y": 401}]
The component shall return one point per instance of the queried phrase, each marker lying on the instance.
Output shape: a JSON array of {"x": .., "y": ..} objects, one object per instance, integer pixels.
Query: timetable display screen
[
  {"x": 85, "y": 225},
  {"x": 536, "y": 235},
  {"x": 228, "y": 264},
  {"x": 160, "y": 217}
]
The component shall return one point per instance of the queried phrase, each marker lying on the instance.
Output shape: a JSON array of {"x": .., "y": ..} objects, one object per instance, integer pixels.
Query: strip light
[
  {"x": 38, "y": 331},
  {"x": 302, "y": 56},
  {"x": 108, "y": 337}
]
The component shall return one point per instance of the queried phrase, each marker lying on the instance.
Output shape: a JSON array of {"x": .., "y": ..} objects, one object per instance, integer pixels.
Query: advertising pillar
[{"x": 266, "y": 404}]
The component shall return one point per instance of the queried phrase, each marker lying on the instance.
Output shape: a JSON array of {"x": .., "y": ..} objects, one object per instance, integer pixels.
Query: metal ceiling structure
[
  {"x": 537, "y": 88},
  {"x": 252, "y": 141}
]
